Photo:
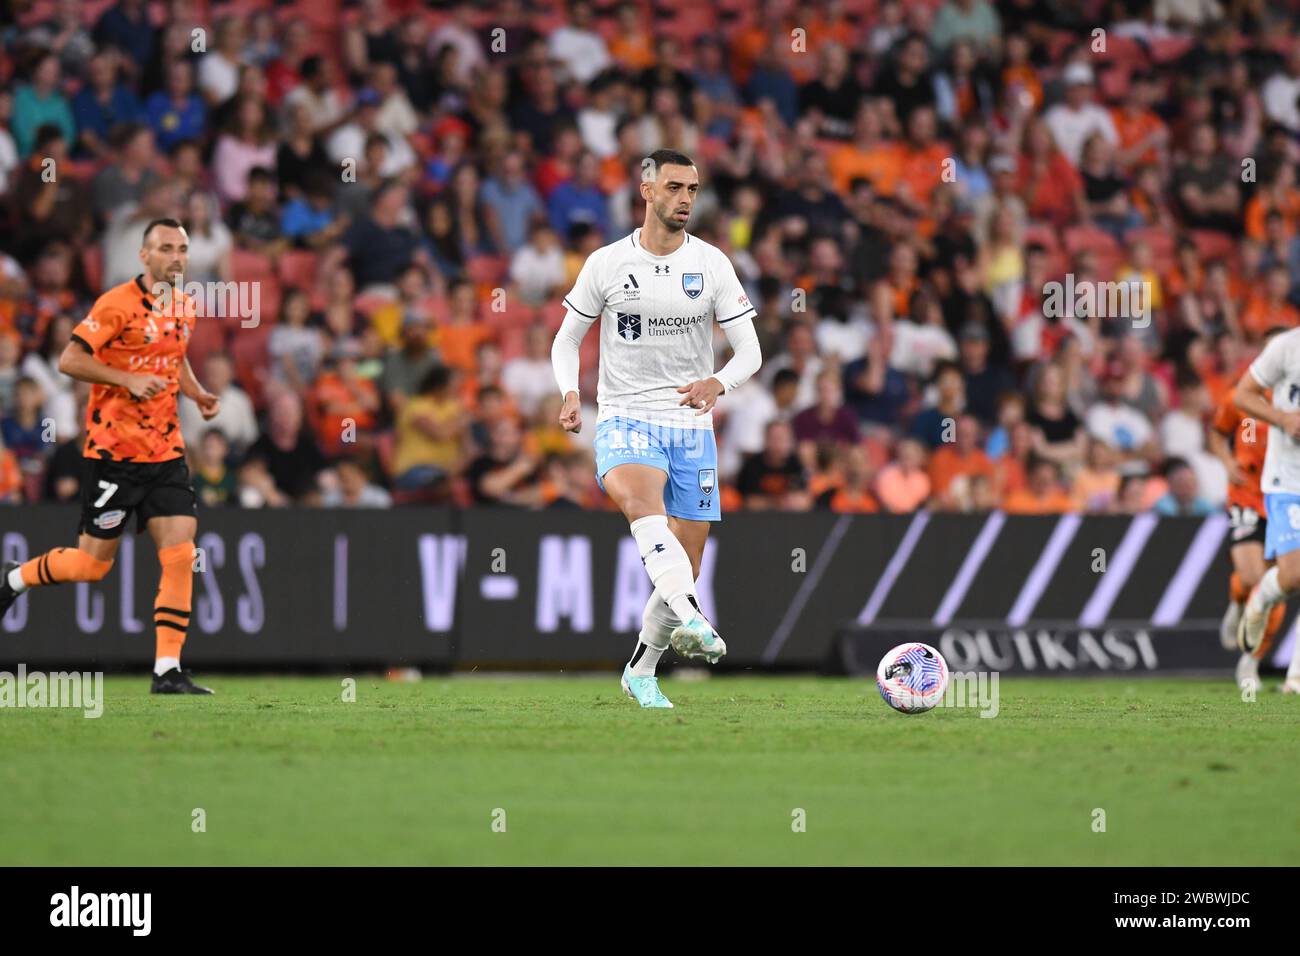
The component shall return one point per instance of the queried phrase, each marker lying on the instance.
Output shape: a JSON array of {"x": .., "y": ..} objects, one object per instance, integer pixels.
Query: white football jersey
[
  {"x": 656, "y": 324},
  {"x": 1278, "y": 368}
]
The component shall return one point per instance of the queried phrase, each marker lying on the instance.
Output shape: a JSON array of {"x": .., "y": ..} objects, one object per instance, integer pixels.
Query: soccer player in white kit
[
  {"x": 656, "y": 294},
  {"x": 1276, "y": 368}
]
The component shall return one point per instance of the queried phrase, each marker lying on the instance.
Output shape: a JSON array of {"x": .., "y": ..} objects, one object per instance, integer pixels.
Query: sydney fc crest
[
  {"x": 706, "y": 480},
  {"x": 693, "y": 284},
  {"x": 629, "y": 327}
]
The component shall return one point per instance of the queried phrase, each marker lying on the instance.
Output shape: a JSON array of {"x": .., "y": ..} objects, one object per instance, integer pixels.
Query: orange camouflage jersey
[
  {"x": 1249, "y": 455},
  {"x": 130, "y": 330}
]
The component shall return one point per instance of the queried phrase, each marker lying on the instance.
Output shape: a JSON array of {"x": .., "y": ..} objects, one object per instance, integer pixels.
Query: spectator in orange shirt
[
  {"x": 1271, "y": 308},
  {"x": 1096, "y": 485},
  {"x": 921, "y": 160},
  {"x": 460, "y": 336},
  {"x": 11, "y": 477},
  {"x": 1043, "y": 496},
  {"x": 1143, "y": 136},
  {"x": 345, "y": 405},
  {"x": 867, "y": 156},
  {"x": 903, "y": 485},
  {"x": 953, "y": 465},
  {"x": 1050, "y": 185},
  {"x": 630, "y": 46},
  {"x": 1277, "y": 193},
  {"x": 852, "y": 495},
  {"x": 1019, "y": 77}
]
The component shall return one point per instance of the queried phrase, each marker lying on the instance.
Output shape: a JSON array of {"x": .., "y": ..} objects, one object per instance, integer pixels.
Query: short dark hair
[
  {"x": 46, "y": 134},
  {"x": 668, "y": 157},
  {"x": 784, "y": 376},
  {"x": 169, "y": 223}
]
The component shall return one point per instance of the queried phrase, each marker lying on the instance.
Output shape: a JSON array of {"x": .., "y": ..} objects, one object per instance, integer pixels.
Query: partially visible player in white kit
[
  {"x": 1276, "y": 368},
  {"x": 657, "y": 294}
]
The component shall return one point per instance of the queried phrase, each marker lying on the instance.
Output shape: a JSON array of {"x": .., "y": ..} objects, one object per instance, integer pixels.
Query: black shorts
[
  {"x": 1247, "y": 525},
  {"x": 112, "y": 490}
]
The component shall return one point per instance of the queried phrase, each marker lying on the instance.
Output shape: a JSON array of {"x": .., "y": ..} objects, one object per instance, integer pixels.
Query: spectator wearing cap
[
  {"x": 1078, "y": 117},
  {"x": 984, "y": 381},
  {"x": 407, "y": 364},
  {"x": 177, "y": 113}
]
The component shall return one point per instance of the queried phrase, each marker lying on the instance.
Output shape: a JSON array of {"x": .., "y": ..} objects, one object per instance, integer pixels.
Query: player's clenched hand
[
  {"x": 146, "y": 386},
  {"x": 209, "y": 405},
  {"x": 571, "y": 413},
  {"x": 701, "y": 395}
]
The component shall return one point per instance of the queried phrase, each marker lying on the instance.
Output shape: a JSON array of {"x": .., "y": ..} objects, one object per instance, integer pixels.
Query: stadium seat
[
  {"x": 551, "y": 315},
  {"x": 248, "y": 352},
  {"x": 517, "y": 314},
  {"x": 487, "y": 270},
  {"x": 513, "y": 342},
  {"x": 1043, "y": 235},
  {"x": 1167, "y": 49},
  {"x": 297, "y": 269},
  {"x": 209, "y": 336},
  {"x": 1213, "y": 245}
]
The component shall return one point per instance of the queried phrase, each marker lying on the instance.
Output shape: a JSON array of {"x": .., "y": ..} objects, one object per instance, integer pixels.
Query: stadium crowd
[{"x": 414, "y": 187}]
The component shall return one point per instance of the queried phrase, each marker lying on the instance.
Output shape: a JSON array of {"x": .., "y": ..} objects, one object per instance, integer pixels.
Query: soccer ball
[{"x": 912, "y": 678}]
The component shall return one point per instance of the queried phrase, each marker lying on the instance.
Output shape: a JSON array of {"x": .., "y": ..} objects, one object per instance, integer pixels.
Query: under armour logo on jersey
[
  {"x": 664, "y": 271},
  {"x": 629, "y": 327}
]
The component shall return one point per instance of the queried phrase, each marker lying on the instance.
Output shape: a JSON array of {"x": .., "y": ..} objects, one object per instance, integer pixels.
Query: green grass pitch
[{"x": 286, "y": 772}]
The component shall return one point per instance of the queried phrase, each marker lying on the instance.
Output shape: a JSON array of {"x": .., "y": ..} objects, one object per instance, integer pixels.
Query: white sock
[
  {"x": 657, "y": 623},
  {"x": 1268, "y": 593},
  {"x": 667, "y": 563},
  {"x": 16, "y": 580},
  {"x": 163, "y": 664},
  {"x": 1293, "y": 669}
]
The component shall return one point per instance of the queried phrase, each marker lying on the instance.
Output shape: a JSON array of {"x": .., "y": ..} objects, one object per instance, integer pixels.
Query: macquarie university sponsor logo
[
  {"x": 674, "y": 324},
  {"x": 77, "y": 909},
  {"x": 82, "y": 691},
  {"x": 1085, "y": 299},
  {"x": 693, "y": 284}
]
